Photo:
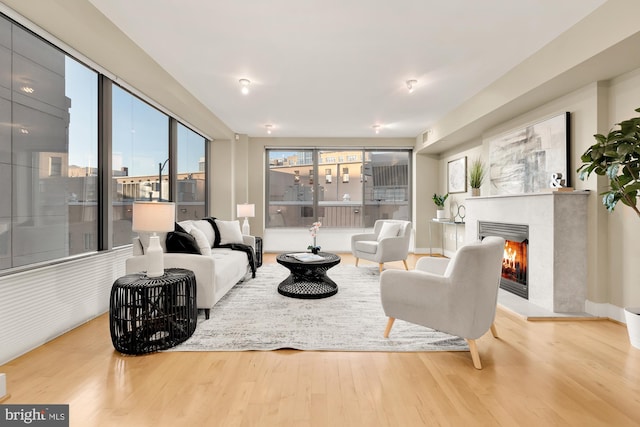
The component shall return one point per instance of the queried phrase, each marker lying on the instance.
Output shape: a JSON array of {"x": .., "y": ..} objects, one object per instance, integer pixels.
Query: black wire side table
[
  {"x": 258, "y": 251},
  {"x": 308, "y": 279},
  {"x": 148, "y": 314}
]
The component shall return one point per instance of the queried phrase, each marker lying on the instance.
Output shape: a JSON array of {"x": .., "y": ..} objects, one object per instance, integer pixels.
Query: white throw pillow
[
  {"x": 201, "y": 240},
  {"x": 229, "y": 232},
  {"x": 207, "y": 229},
  {"x": 388, "y": 229}
]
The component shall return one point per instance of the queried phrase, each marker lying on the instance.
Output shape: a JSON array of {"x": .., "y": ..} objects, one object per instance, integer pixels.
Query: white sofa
[{"x": 217, "y": 269}]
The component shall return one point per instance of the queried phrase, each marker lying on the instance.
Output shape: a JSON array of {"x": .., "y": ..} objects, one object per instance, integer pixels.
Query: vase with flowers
[{"x": 314, "y": 233}]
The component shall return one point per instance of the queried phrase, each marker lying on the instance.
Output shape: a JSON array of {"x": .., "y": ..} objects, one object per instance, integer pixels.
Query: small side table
[
  {"x": 308, "y": 279},
  {"x": 148, "y": 314},
  {"x": 258, "y": 251}
]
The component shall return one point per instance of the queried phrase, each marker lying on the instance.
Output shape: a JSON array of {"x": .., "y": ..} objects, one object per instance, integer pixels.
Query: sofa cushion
[
  {"x": 207, "y": 230},
  {"x": 182, "y": 242},
  {"x": 201, "y": 241},
  {"x": 229, "y": 232},
  {"x": 389, "y": 229},
  {"x": 229, "y": 266},
  {"x": 185, "y": 226},
  {"x": 367, "y": 246}
]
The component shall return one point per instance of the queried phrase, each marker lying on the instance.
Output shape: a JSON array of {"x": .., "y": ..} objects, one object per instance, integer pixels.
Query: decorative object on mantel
[
  {"x": 556, "y": 180},
  {"x": 460, "y": 214},
  {"x": 439, "y": 201},
  {"x": 477, "y": 172},
  {"x": 617, "y": 156},
  {"x": 522, "y": 161},
  {"x": 457, "y": 175},
  {"x": 314, "y": 233}
]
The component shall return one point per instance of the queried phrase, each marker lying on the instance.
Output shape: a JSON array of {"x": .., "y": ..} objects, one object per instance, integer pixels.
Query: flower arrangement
[{"x": 314, "y": 232}]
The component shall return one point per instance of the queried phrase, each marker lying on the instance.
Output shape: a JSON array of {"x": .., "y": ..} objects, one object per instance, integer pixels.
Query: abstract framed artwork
[
  {"x": 531, "y": 159},
  {"x": 457, "y": 175}
]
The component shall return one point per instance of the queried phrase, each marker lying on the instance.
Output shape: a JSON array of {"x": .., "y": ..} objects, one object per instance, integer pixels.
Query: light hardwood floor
[{"x": 568, "y": 373}]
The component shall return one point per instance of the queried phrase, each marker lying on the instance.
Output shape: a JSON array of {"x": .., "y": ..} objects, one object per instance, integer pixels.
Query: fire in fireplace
[{"x": 515, "y": 259}]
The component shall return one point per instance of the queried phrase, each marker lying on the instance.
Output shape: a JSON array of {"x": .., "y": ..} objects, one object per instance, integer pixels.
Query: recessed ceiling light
[
  {"x": 411, "y": 84},
  {"x": 377, "y": 128},
  {"x": 244, "y": 86},
  {"x": 268, "y": 127},
  {"x": 27, "y": 89}
]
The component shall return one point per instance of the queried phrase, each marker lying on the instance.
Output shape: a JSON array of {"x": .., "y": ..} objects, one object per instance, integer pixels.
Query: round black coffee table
[{"x": 308, "y": 279}]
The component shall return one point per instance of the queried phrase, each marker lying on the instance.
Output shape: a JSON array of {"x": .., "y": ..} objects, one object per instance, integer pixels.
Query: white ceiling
[{"x": 334, "y": 68}]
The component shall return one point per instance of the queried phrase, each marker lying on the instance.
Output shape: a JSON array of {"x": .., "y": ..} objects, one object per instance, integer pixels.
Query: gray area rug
[{"x": 254, "y": 316}]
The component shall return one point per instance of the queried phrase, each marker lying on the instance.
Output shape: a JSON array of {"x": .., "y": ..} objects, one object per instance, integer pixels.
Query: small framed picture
[{"x": 457, "y": 175}]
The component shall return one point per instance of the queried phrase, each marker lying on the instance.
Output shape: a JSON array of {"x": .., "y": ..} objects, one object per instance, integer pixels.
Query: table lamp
[
  {"x": 154, "y": 217},
  {"x": 246, "y": 210}
]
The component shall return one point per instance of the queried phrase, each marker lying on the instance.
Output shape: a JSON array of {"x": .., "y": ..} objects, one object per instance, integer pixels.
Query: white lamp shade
[
  {"x": 246, "y": 210},
  {"x": 154, "y": 216}
]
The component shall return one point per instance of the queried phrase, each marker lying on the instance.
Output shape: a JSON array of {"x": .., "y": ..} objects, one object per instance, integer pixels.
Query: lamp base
[
  {"x": 245, "y": 227},
  {"x": 155, "y": 257}
]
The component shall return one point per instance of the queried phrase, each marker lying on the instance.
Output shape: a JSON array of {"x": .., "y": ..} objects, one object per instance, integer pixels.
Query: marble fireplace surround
[{"x": 557, "y": 242}]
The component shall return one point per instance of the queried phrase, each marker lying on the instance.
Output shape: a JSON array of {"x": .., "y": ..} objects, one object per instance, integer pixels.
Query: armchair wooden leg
[
  {"x": 389, "y": 325},
  {"x": 357, "y": 259},
  {"x": 380, "y": 268},
  {"x": 494, "y": 331},
  {"x": 406, "y": 267},
  {"x": 475, "y": 356}
]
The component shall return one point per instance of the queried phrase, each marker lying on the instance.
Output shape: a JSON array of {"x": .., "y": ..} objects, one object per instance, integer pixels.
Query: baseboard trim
[{"x": 607, "y": 310}]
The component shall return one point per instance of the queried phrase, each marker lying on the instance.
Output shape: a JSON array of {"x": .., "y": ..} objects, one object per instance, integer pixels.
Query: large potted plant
[
  {"x": 439, "y": 202},
  {"x": 477, "y": 172},
  {"x": 617, "y": 156}
]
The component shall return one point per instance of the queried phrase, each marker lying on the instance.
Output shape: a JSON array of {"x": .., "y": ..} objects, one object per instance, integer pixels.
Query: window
[
  {"x": 140, "y": 159},
  {"x": 386, "y": 186},
  {"x": 50, "y": 102},
  {"x": 49, "y": 155},
  {"x": 290, "y": 194},
  {"x": 55, "y": 166},
  {"x": 346, "y": 201},
  {"x": 190, "y": 181}
]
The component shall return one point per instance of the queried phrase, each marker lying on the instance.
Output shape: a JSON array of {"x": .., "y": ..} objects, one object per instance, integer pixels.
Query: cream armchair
[
  {"x": 457, "y": 296},
  {"x": 388, "y": 242}
]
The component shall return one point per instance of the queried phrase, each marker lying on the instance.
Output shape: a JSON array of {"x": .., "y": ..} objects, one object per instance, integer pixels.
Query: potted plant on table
[
  {"x": 314, "y": 233},
  {"x": 439, "y": 201},
  {"x": 477, "y": 172},
  {"x": 617, "y": 156}
]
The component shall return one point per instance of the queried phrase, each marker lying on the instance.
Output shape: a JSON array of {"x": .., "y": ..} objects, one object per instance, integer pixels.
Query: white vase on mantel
[
  {"x": 632, "y": 317},
  {"x": 441, "y": 214}
]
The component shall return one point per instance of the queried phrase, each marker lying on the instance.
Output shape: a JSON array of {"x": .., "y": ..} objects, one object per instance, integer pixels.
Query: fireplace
[{"x": 515, "y": 261}]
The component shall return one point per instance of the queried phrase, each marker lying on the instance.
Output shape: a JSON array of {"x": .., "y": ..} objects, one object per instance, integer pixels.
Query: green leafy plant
[
  {"x": 616, "y": 156},
  {"x": 477, "y": 172},
  {"x": 439, "y": 200}
]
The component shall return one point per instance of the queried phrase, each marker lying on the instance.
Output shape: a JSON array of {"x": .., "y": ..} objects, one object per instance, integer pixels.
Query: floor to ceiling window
[
  {"x": 48, "y": 151},
  {"x": 49, "y": 162},
  {"x": 291, "y": 188},
  {"x": 190, "y": 181},
  {"x": 340, "y": 188},
  {"x": 140, "y": 158}
]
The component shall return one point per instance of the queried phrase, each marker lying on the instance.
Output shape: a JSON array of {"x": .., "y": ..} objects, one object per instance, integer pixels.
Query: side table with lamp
[
  {"x": 156, "y": 309},
  {"x": 248, "y": 210}
]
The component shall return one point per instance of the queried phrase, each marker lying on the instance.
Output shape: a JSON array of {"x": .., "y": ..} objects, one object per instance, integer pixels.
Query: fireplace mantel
[{"x": 557, "y": 242}]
